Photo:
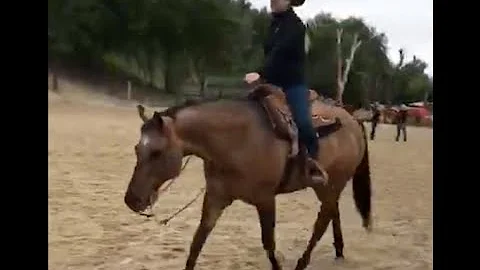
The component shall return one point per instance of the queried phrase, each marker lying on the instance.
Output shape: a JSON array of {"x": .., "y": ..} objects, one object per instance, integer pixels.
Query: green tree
[{"x": 166, "y": 42}]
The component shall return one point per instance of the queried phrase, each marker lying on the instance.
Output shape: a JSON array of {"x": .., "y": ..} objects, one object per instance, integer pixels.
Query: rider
[{"x": 284, "y": 66}]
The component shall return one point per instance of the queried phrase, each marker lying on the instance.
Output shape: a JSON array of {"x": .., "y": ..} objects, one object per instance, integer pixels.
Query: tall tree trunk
[
  {"x": 340, "y": 84},
  {"x": 396, "y": 76},
  {"x": 343, "y": 72}
]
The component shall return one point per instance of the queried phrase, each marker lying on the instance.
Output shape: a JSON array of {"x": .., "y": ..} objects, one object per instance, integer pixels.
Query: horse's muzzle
[{"x": 135, "y": 203}]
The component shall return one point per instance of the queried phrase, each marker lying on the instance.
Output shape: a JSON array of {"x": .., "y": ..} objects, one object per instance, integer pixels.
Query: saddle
[{"x": 276, "y": 107}]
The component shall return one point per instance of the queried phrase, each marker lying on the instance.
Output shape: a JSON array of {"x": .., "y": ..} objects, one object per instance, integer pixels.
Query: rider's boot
[{"x": 316, "y": 172}]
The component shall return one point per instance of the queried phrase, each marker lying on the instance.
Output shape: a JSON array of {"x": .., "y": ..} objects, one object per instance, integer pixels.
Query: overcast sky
[{"x": 408, "y": 24}]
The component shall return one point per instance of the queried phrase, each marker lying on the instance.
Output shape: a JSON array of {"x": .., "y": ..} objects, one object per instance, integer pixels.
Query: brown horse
[{"x": 245, "y": 160}]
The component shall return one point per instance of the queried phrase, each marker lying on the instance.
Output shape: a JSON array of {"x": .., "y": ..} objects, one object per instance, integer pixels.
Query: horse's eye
[{"x": 155, "y": 154}]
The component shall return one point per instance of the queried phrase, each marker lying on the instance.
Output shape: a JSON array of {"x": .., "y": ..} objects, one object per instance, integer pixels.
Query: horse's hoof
[
  {"x": 301, "y": 264},
  {"x": 276, "y": 267},
  {"x": 339, "y": 259},
  {"x": 367, "y": 225}
]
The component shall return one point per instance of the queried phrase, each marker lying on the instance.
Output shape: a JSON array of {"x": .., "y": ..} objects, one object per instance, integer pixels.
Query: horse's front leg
[
  {"x": 266, "y": 213},
  {"x": 212, "y": 209},
  {"x": 323, "y": 218}
]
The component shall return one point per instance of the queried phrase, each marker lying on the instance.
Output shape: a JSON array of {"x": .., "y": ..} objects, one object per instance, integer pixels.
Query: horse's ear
[
  {"x": 165, "y": 123},
  {"x": 158, "y": 118},
  {"x": 141, "y": 113}
]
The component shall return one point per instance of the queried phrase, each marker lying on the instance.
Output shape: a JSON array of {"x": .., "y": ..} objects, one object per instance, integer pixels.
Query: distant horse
[{"x": 244, "y": 159}]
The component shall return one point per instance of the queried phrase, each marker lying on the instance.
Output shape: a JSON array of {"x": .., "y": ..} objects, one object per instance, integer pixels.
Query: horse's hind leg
[
  {"x": 321, "y": 224},
  {"x": 337, "y": 233},
  {"x": 266, "y": 214},
  {"x": 212, "y": 210}
]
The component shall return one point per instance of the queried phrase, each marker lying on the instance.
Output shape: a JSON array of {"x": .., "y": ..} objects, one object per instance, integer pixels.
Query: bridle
[{"x": 166, "y": 220}]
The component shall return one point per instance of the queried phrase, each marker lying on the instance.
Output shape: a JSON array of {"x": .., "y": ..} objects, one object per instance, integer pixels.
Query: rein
[
  {"x": 166, "y": 220},
  {"x": 173, "y": 180}
]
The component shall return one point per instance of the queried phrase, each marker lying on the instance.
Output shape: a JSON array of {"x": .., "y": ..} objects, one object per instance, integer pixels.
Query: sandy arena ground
[{"x": 90, "y": 158}]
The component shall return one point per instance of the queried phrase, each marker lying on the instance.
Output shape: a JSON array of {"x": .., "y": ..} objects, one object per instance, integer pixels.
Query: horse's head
[{"x": 159, "y": 158}]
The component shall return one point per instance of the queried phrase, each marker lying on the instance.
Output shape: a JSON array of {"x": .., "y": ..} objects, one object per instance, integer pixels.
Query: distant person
[
  {"x": 401, "y": 121},
  {"x": 375, "y": 119}
]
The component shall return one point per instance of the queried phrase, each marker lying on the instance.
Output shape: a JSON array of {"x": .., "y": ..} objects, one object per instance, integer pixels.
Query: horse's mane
[
  {"x": 173, "y": 111},
  {"x": 150, "y": 123}
]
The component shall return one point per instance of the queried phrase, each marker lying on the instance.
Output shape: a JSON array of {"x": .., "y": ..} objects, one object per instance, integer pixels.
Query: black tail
[{"x": 362, "y": 190}]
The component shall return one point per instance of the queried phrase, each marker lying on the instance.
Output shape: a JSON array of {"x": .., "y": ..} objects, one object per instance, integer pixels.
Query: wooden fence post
[{"x": 129, "y": 90}]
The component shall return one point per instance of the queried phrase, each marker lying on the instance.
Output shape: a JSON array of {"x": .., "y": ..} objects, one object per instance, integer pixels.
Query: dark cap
[{"x": 297, "y": 3}]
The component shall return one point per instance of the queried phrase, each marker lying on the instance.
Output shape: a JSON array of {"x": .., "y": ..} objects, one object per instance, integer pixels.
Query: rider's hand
[{"x": 251, "y": 77}]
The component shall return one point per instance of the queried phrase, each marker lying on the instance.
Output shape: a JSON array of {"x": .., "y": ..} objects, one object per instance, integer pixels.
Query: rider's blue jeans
[{"x": 297, "y": 98}]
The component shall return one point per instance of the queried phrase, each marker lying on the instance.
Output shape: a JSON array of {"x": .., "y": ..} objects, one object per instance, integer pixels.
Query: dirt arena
[{"x": 90, "y": 158}]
